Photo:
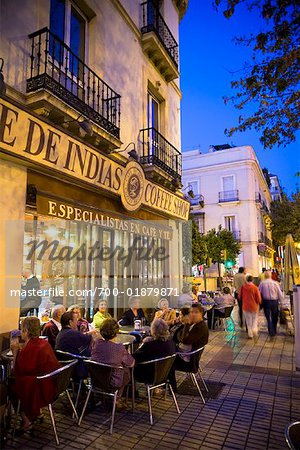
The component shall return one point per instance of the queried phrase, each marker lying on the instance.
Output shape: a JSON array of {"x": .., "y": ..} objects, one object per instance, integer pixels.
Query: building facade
[
  {"x": 230, "y": 190},
  {"x": 90, "y": 148},
  {"x": 275, "y": 188}
]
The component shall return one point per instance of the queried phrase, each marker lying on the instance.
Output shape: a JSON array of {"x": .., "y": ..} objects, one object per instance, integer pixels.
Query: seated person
[
  {"x": 107, "y": 351},
  {"x": 82, "y": 324},
  {"x": 178, "y": 323},
  {"x": 52, "y": 328},
  {"x": 185, "y": 298},
  {"x": 194, "y": 335},
  {"x": 135, "y": 312},
  {"x": 71, "y": 340},
  {"x": 165, "y": 313},
  {"x": 158, "y": 345},
  {"x": 195, "y": 293},
  {"x": 222, "y": 302},
  {"x": 36, "y": 358},
  {"x": 101, "y": 315}
]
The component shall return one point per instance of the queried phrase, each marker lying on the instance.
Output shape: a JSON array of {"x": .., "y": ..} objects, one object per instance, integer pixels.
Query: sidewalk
[{"x": 259, "y": 394}]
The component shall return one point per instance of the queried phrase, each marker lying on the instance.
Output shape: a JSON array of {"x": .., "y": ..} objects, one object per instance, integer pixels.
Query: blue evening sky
[{"x": 208, "y": 57}]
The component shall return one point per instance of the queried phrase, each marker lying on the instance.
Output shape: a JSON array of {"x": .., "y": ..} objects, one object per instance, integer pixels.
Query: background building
[
  {"x": 230, "y": 190},
  {"x": 83, "y": 79},
  {"x": 275, "y": 188}
]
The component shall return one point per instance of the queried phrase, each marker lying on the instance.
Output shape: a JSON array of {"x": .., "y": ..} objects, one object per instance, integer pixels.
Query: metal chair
[
  {"x": 227, "y": 314},
  {"x": 61, "y": 378},
  {"x": 193, "y": 368},
  {"x": 66, "y": 356},
  {"x": 292, "y": 435},
  {"x": 100, "y": 382},
  {"x": 161, "y": 368}
]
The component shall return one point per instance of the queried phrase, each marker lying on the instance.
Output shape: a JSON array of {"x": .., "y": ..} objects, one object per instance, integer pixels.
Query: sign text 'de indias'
[{"x": 27, "y": 137}]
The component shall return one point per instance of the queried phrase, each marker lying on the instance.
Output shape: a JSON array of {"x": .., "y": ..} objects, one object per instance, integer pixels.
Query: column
[{"x": 13, "y": 180}]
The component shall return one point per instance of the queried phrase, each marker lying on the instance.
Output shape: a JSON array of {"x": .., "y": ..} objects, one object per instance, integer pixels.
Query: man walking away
[
  {"x": 251, "y": 300},
  {"x": 239, "y": 281},
  {"x": 271, "y": 296}
]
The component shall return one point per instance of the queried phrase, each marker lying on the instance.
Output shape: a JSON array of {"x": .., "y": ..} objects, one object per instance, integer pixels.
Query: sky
[{"x": 209, "y": 61}]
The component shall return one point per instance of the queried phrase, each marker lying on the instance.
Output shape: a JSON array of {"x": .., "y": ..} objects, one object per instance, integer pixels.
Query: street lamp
[
  {"x": 132, "y": 153},
  {"x": 190, "y": 193},
  {"x": 2, "y": 83}
]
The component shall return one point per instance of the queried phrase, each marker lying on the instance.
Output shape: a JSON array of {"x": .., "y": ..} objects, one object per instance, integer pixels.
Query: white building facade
[{"x": 230, "y": 190}]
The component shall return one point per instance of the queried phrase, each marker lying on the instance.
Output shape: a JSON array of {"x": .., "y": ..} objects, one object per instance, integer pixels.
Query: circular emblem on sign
[{"x": 133, "y": 186}]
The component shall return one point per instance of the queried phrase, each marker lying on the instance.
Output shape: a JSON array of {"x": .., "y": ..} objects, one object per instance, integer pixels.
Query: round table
[
  {"x": 125, "y": 339},
  {"x": 127, "y": 329}
]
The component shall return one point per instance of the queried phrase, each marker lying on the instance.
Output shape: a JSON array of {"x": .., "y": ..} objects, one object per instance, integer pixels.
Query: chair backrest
[
  {"x": 162, "y": 367},
  {"x": 292, "y": 435},
  {"x": 101, "y": 374},
  {"x": 65, "y": 356},
  {"x": 228, "y": 311},
  {"x": 195, "y": 356},
  {"x": 61, "y": 376}
]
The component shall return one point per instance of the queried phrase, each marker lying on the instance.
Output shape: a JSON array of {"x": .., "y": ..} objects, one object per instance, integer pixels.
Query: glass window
[
  {"x": 153, "y": 112},
  {"x": 228, "y": 183},
  {"x": 230, "y": 223}
]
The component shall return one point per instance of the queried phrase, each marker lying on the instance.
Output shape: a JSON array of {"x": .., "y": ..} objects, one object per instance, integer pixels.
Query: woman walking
[{"x": 251, "y": 299}]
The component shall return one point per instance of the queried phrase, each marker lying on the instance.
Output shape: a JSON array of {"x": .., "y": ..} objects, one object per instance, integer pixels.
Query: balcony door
[
  {"x": 155, "y": 149},
  {"x": 68, "y": 25}
]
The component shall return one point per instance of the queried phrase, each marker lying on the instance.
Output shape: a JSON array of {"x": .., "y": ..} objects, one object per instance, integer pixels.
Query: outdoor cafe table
[{"x": 127, "y": 329}]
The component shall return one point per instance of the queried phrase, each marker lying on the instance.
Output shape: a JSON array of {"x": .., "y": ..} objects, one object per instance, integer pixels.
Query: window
[
  {"x": 69, "y": 25},
  {"x": 153, "y": 112},
  {"x": 230, "y": 223},
  {"x": 200, "y": 221},
  {"x": 228, "y": 183}
]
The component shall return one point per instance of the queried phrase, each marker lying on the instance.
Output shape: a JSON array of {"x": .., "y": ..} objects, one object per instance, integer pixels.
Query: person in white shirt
[{"x": 271, "y": 296}]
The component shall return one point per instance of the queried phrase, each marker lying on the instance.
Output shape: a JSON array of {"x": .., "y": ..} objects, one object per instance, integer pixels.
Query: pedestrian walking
[
  {"x": 251, "y": 299},
  {"x": 271, "y": 296},
  {"x": 239, "y": 281}
]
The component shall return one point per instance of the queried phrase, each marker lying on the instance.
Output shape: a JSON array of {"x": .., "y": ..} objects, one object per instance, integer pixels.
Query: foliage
[
  {"x": 194, "y": 246},
  {"x": 199, "y": 248},
  {"x": 286, "y": 218},
  {"x": 272, "y": 82},
  {"x": 220, "y": 240}
]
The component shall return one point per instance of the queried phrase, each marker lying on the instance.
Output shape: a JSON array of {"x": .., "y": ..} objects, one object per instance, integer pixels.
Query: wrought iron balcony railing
[
  {"x": 198, "y": 200},
  {"x": 262, "y": 238},
  {"x": 228, "y": 196},
  {"x": 153, "y": 21},
  {"x": 56, "y": 68},
  {"x": 158, "y": 151}
]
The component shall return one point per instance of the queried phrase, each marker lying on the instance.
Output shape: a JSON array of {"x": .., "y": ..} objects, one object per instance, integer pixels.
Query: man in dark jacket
[
  {"x": 194, "y": 335},
  {"x": 52, "y": 328},
  {"x": 31, "y": 298},
  {"x": 71, "y": 340}
]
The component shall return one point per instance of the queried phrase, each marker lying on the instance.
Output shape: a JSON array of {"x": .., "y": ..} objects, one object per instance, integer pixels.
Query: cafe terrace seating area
[{"x": 249, "y": 394}]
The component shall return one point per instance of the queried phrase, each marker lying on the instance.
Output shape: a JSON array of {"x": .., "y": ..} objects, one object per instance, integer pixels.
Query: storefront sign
[
  {"x": 60, "y": 210},
  {"x": 33, "y": 140}
]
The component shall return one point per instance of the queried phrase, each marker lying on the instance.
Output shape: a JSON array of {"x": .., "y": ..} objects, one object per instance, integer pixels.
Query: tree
[
  {"x": 273, "y": 80},
  {"x": 221, "y": 246},
  {"x": 193, "y": 243},
  {"x": 285, "y": 216}
]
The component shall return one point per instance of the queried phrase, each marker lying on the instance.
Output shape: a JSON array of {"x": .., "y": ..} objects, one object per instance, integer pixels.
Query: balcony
[
  {"x": 158, "y": 156},
  {"x": 263, "y": 239},
  {"x": 228, "y": 196},
  {"x": 258, "y": 197},
  {"x": 56, "y": 69},
  {"x": 198, "y": 200},
  {"x": 158, "y": 42}
]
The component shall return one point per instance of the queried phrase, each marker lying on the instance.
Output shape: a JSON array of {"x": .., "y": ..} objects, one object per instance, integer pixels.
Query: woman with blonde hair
[
  {"x": 165, "y": 313},
  {"x": 101, "y": 315}
]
